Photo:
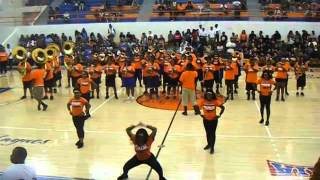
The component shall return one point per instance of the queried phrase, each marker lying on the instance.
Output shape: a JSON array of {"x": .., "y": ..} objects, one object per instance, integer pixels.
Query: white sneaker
[
  {"x": 133, "y": 98},
  {"x": 128, "y": 98}
]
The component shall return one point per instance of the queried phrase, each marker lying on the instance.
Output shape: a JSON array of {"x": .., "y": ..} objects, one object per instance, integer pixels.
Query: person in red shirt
[
  {"x": 24, "y": 69},
  {"x": 76, "y": 107},
  {"x": 142, "y": 145},
  {"x": 85, "y": 85},
  {"x": 128, "y": 80},
  {"x": 76, "y": 72},
  {"x": 229, "y": 77},
  {"x": 210, "y": 117},
  {"x": 151, "y": 69},
  {"x": 208, "y": 75},
  {"x": 265, "y": 89},
  {"x": 37, "y": 76},
  {"x": 251, "y": 70},
  {"x": 137, "y": 65},
  {"x": 3, "y": 61},
  {"x": 95, "y": 72},
  {"x": 173, "y": 71},
  {"x": 48, "y": 81},
  {"x": 187, "y": 80},
  {"x": 300, "y": 69},
  {"x": 110, "y": 69},
  {"x": 281, "y": 78}
]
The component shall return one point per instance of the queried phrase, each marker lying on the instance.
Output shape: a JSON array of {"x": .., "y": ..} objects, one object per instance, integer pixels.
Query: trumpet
[
  {"x": 39, "y": 56},
  {"x": 68, "y": 47}
]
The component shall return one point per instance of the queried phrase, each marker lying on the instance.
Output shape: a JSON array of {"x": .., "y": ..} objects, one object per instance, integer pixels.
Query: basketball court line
[
  {"x": 274, "y": 146},
  {"x": 173, "y": 134}
]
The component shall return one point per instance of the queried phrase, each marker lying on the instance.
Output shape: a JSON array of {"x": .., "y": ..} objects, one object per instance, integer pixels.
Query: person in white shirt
[
  {"x": 19, "y": 170},
  {"x": 211, "y": 35},
  {"x": 217, "y": 33},
  {"x": 203, "y": 36},
  {"x": 10, "y": 59},
  {"x": 230, "y": 46}
]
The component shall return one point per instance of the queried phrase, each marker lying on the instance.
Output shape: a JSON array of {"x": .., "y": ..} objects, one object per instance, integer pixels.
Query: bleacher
[
  {"x": 125, "y": 13},
  {"x": 199, "y": 13}
]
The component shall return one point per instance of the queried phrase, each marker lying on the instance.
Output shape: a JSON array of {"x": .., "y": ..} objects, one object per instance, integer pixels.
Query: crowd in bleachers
[
  {"x": 85, "y": 11},
  {"x": 199, "y": 7},
  {"x": 279, "y": 10},
  {"x": 202, "y": 40}
]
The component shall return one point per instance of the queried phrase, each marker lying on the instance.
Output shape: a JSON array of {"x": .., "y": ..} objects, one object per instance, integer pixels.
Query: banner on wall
[{"x": 281, "y": 169}]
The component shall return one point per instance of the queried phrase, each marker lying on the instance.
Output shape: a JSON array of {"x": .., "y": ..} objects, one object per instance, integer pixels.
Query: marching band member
[
  {"x": 128, "y": 80},
  {"x": 110, "y": 69},
  {"x": 269, "y": 68},
  {"x": 300, "y": 69},
  {"x": 236, "y": 65},
  {"x": 49, "y": 80},
  {"x": 208, "y": 75},
  {"x": 229, "y": 77},
  {"x": 281, "y": 77},
  {"x": 152, "y": 79},
  {"x": 85, "y": 85},
  {"x": 265, "y": 90},
  {"x": 68, "y": 63},
  {"x": 38, "y": 75},
  {"x": 24, "y": 68},
  {"x": 137, "y": 65},
  {"x": 76, "y": 72},
  {"x": 95, "y": 72},
  {"x": 251, "y": 70},
  {"x": 173, "y": 72},
  {"x": 216, "y": 74}
]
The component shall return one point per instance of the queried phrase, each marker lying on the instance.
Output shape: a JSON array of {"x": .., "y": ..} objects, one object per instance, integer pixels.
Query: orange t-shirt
[
  {"x": 216, "y": 63},
  {"x": 3, "y": 57},
  {"x": 207, "y": 71},
  {"x": 127, "y": 71},
  {"x": 27, "y": 67},
  {"x": 77, "y": 106},
  {"x": 38, "y": 75},
  {"x": 172, "y": 71},
  {"x": 56, "y": 66},
  {"x": 85, "y": 85},
  {"x": 49, "y": 71},
  {"x": 68, "y": 61},
  {"x": 265, "y": 86},
  {"x": 235, "y": 68},
  {"x": 110, "y": 69},
  {"x": 77, "y": 70},
  {"x": 281, "y": 72},
  {"x": 95, "y": 71},
  {"x": 268, "y": 68},
  {"x": 137, "y": 63},
  {"x": 143, "y": 152},
  {"x": 209, "y": 108},
  {"x": 252, "y": 73},
  {"x": 151, "y": 69},
  {"x": 229, "y": 73},
  {"x": 187, "y": 79}
]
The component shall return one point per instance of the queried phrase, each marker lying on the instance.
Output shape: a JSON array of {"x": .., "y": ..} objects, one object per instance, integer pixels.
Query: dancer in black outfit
[{"x": 142, "y": 145}]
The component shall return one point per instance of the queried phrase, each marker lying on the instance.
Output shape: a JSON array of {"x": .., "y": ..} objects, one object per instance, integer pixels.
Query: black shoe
[
  {"x": 261, "y": 121},
  {"x": 235, "y": 91},
  {"x": 23, "y": 97},
  {"x": 51, "y": 97},
  {"x": 98, "y": 97},
  {"x": 54, "y": 90},
  {"x": 297, "y": 93},
  {"x": 302, "y": 94},
  {"x": 277, "y": 99},
  {"x": 45, "y": 97},
  {"x": 123, "y": 176},
  {"x": 116, "y": 97},
  {"x": 231, "y": 97},
  {"x": 206, "y": 147},
  {"x": 92, "y": 97},
  {"x": 185, "y": 113},
  {"x": 211, "y": 151},
  {"x": 45, "y": 107},
  {"x": 39, "y": 107},
  {"x": 253, "y": 98},
  {"x": 282, "y": 99},
  {"x": 31, "y": 97},
  {"x": 196, "y": 110},
  {"x": 59, "y": 85},
  {"x": 287, "y": 93},
  {"x": 267, "y": 123},
  {"x": 77, "y": 143},
  {"x": 107, "y": 96},
  {"x": 80, "y": 145}
]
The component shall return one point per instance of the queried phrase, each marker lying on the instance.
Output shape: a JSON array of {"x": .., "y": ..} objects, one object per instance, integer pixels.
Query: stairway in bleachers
[
  {"x": 145, "y": 12},
  {"x": 254, "y": 10}
]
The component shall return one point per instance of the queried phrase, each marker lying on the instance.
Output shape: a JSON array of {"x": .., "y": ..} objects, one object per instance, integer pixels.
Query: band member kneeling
[
  {"x": 76, "y": 108},
  {"x": 210, "y": 118},
  {"x": 142, "y": 145}
]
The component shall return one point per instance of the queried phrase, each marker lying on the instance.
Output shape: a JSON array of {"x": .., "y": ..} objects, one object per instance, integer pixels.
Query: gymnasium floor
[{"x": 243, "y": 146}]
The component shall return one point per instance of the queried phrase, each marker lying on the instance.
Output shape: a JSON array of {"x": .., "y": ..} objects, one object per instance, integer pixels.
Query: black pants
[
  {"x": 87, "y": 96},
  {"x": 152, "y": 162},
  {"x": 3, "y": 67},
  {"x": 210, "y": 127},
  {"x": 229, "y": 84},
  {"x": 78, "y": 122},
  {"x": 265, "y": 102}
]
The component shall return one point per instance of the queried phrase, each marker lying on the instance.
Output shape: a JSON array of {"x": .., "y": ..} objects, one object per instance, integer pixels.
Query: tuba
[
  {"x": 19, "y": 53},
  {"x": 68, "y": 47},
  {"x": 52, "y": 50},
  {"x": 39, "y": 56}
]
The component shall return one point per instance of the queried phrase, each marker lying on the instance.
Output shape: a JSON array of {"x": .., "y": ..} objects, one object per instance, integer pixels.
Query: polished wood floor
[{"x": 243, "y": 145}]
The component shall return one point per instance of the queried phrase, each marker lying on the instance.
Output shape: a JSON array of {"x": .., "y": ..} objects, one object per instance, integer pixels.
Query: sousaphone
[
  {"x": 19, "y": 53},
  {"x": 68, "y": 47},
  {"x": 39, "y": 56}
]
